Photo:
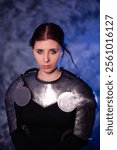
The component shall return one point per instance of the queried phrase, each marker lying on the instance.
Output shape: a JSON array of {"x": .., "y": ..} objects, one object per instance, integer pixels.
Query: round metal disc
[{"x": 21, "y": 96}]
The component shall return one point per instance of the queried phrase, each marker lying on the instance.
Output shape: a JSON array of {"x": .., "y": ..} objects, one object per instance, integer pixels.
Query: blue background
[{"x": 80, "y": 19}]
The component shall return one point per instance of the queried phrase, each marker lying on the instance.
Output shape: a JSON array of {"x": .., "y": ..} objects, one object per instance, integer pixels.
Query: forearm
[
  {"x": 20, "y": 140},
  {"x": 70, "y": 143}
]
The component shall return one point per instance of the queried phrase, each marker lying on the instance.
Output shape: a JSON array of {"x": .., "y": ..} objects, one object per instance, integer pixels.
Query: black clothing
[{"x": 57, "y": 115}]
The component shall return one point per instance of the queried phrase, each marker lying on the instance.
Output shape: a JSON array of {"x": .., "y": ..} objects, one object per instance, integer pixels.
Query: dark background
[{"x": 80, "y": 19}]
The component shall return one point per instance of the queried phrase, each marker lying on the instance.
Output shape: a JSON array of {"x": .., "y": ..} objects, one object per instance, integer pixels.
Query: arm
[
  {"x": 18, "y": 136},
  {"x": 71, "y": 143},
  {"x": 20, "y": 140},
  {"x": 84, "y": 120}
]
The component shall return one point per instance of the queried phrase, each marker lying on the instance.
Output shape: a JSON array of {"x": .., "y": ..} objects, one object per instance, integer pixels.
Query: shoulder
[
  {"x": 14, "y": 85},
  {"x": 30, "y": 72},
  {"x": 19, "y": 81},
  {"x": 85, "y": 93},
  {"x": 77, "y": 81},
  {"x": 83, "y": 87},
  {"x": 79, "y": 86},
  {"x": 68, "y": 74}
]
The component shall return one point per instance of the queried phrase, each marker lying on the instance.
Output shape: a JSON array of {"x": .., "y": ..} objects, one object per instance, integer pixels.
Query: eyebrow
[
  {"x": 49, "y": 49},
  {"x": 39, "y": 49}
]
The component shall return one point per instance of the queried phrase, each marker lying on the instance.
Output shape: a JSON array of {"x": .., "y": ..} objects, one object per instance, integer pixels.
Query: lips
[{"x": 46, "y": 66}]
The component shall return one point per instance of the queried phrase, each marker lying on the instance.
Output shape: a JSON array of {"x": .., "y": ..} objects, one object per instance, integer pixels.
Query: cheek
[
  {"x": 56, "y": 58},
  {"x": 37, "y": 58}
]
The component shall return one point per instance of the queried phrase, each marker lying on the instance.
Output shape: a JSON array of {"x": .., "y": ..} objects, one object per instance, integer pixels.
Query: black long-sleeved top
[{"x": 56, "y": 115}]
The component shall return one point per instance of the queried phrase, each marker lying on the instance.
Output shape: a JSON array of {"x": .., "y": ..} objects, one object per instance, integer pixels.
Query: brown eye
[
  {"x": 53, "y": 51},
  {"x": 39, "y": 51}
]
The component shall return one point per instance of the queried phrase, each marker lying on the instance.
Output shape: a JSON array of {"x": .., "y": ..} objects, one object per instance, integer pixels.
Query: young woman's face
[{"x": 47, "y": 54}]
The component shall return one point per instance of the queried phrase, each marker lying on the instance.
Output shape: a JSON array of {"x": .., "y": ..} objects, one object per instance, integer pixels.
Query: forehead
[{"x": 46, "y": 44}]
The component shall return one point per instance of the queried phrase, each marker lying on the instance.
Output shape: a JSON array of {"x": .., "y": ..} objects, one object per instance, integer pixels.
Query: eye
[
  {"x": 53, "y": 51},
  {"x": 39, "y": 51}
]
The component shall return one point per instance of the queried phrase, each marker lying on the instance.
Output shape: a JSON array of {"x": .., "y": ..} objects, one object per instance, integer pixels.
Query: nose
[{"x": 46, "y": 57}]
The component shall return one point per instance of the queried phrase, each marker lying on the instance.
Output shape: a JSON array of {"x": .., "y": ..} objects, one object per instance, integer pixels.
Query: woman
[{"x": 49, "y": 108}]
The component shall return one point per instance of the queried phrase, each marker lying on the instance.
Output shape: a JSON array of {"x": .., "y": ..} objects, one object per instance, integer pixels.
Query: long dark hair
[{"x": 50, "y": 31}]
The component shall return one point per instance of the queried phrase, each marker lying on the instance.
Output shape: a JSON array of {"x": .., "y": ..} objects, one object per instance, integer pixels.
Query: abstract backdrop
[{"x": 80, "y": 19}]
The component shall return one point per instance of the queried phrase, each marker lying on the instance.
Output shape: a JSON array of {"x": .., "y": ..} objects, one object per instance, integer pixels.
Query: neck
[{"x": 51, "y": 76}]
